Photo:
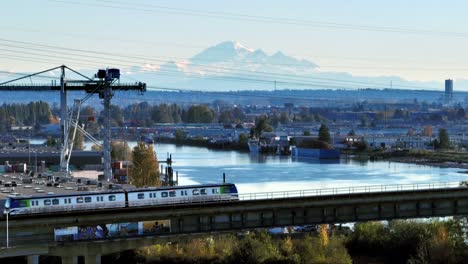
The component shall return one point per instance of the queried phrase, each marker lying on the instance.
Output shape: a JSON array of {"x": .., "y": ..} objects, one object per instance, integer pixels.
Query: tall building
[{"x": 448, "y": 90}]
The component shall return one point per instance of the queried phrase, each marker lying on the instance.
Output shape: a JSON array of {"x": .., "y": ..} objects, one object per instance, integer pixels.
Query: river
[{"x": 258, "y": 173}]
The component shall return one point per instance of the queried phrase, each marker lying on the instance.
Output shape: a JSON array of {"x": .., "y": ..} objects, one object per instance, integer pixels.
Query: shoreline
[{"x": 439, "y": 164}]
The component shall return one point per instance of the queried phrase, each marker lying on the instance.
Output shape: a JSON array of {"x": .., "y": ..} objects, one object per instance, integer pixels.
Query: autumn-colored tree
[
  {"x": 120, "y": 150},
  {"x": 145, "y": 170},
  {"x": 95, "y": 147},
  {"x": 324, "y": 235},
  {"x": 79, "y": 139}
]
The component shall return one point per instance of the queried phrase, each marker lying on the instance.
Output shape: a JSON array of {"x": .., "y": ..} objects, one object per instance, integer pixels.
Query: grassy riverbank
[{"x": 447, "y": 159}]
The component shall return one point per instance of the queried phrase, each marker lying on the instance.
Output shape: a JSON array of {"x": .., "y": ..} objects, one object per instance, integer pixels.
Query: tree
[
  {"x": 165, "y": 113},
  {"x": 180, "y": 135},
  {"x": 199, "y": 114},
  {"x": 120, "y": 150},
  {"x": 78, "y": 143},
  {"x": 261, "y": 124},
  {"x": 226, "y": 117},
  {"x": 243, "y": 138},
  {"x": 145, "y": 170},
  {"x": 238, "y": 114},
  {"x": 51, "y": 142},
  {"x": 284, "y": 118},
  {"x": 95, "y": 147},
  {"x": 88, "y": 116},
  {"x": 324, "y": 134},
  {"x": 444, "y": 141}
]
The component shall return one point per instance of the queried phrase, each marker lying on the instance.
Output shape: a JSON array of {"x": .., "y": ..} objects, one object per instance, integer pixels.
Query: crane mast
[{"x": 104, "y": 83}]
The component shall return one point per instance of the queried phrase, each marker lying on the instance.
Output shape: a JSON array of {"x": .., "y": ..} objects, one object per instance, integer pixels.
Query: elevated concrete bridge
[{"x": 33, "y": 236}]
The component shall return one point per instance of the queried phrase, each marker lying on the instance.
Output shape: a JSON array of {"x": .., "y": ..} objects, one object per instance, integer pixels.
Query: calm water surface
[{"x": 257, "y": 173}]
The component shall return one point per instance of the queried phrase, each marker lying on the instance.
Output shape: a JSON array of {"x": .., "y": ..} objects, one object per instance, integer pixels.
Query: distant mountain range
[{"x": 232, "y": 67}]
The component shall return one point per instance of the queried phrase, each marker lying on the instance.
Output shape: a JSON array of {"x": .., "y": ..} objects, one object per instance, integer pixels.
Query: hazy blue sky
[{"x": 378, "y": 42}]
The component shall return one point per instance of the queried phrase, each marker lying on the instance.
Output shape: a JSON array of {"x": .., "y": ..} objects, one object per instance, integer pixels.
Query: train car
[
  {"x": 64, "y": 202},
  {"x": 119, "y": 199},
  {"x": 182, "y": 194}
]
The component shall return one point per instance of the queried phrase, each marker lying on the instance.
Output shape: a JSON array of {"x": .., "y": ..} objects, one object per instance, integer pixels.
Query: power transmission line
[
  {"x": 288, "y": 78},
  {"x": 261, "y": 19}
]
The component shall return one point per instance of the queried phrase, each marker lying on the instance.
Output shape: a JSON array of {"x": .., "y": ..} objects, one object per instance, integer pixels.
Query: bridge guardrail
[
  {"x": 271, "y": 195},
  {"x": 348, "y": 190}
]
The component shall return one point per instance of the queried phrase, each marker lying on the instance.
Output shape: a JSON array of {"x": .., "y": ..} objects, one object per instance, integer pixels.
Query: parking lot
[{"x": 21, "y": 184}]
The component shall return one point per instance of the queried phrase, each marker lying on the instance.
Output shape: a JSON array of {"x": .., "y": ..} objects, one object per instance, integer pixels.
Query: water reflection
[
  {"x": 317, "y": 161},
  {"x": 260, "y": 158},
  {"x": 278, "y": 173}
]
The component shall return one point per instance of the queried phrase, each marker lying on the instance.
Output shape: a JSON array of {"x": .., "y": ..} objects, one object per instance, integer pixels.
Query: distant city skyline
[{"x": 415, "y": 40}]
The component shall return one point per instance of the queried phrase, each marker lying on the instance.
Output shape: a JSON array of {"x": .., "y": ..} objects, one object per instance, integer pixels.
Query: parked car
[{"x": 306, "y": 228}]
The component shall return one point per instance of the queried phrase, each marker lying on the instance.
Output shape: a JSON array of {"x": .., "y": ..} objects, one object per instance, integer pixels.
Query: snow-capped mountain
[
  {"x": 224, "y": 51},
  {"x": 234, "y": 55},
  {"x": 231, "y": 65},
  {"x": 231, "y": 58}
]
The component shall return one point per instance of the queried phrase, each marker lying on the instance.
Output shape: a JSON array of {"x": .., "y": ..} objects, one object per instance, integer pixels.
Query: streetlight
[{"x": 7, "y": 212}]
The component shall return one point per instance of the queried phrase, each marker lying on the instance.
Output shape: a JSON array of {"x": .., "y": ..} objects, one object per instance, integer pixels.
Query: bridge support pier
[
  {"x": 33, "y": 259},
  {"x": 92, "y": 259},
  {"x": 69, "y": 259}
]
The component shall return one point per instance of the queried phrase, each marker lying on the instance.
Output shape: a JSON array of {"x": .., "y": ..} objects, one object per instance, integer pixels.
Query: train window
[
  {"x": 47, "y": 202},
  {"x": 214, "y": 191},
  {"x": 196, "y": 192},
  {"x": 112, "y": 198},
  {"x": 23, "y": 203},
  {"x": 203, "y": 191},
  {"x": 151, "y": 195},
  {"x": 79, "y": 200},
  {"x": 164, "y": 194},
  {"x": 65, "y": 200},
  {"x": 87, "y": 199},
  {"x": 172, "y": 193},
  {"x": 69, "y": 200},
  {"x": 102, "y": 199},
  {"x": 141, "y": 196},
  {"x": 55, "y": 201}
]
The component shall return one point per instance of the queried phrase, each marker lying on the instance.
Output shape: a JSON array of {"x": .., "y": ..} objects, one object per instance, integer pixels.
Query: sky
[{"x": 419, "y": 40}]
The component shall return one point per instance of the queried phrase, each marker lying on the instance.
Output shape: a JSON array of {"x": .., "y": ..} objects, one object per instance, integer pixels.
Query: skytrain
[{"x": 120, "y": 199}]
